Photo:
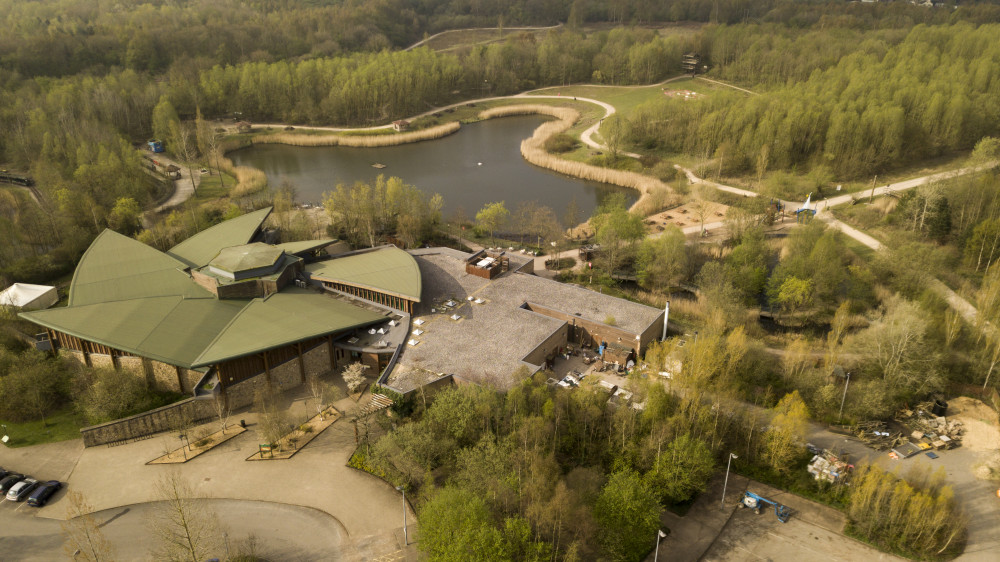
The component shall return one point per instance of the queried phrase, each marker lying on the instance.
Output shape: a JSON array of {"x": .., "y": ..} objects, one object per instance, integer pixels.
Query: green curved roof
[
  {"x": 305, "y": 245},
  {"x": 388, "y": 270},
  {"x": 117, "y": 267},
  {"x": 199, "y": 249},
  {"x": 131, "y": 297},
  {"x": 281, "y": 319},
  {"x": 171, "y": 329}
]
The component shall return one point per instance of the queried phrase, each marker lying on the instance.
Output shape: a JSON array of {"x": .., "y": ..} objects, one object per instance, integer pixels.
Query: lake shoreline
[{"x": 252, "y": 180}]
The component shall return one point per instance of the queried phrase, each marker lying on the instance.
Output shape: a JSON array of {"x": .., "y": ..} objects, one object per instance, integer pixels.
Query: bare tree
[
  {"x": 184, "y": 148},
  {"x": 323, "y": 393},
  {"x": 272, "y": 423},
  {"x": 222, "y": 411},
  {"x": 82, "y": 535},
  {"x": 184, "y": 527}
]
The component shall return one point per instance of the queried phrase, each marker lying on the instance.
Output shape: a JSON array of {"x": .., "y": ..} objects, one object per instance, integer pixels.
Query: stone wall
[
  {"x": 190, "y": 379},
  {"x": 101, "y": 361},
  {"x": 164, "y": 377},
  {"x": 241, "y": 394},
  {"x": 317, "y": 359},
  {"x": 167, "y": 418},
  {"x": 286, "y": 375},
  {"x": 72, "y": 354},
  {"x": 133, "y": 364}
]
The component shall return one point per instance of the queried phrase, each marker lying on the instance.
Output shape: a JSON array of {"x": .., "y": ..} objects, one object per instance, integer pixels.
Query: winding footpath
[{"x": 956, "y": 302}]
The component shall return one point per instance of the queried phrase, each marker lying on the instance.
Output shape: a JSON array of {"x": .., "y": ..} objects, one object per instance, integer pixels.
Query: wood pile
[
  {"x": 876, "y": 435},
  {"x": 925, "y": 427}
]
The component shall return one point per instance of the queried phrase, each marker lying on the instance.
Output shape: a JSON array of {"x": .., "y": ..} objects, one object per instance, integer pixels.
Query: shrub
[
  {"x": 561, "y": 143},
  {"x": 111, "y": 394}
]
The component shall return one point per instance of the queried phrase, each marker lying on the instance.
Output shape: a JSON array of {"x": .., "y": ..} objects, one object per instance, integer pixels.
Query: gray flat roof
[{"x": 490, "y": 340}]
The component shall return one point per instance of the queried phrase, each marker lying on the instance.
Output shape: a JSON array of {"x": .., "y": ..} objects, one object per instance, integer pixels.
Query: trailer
[{"x": 154, "y": 145}]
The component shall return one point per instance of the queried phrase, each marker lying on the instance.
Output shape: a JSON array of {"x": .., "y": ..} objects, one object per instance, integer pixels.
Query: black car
[
  {"x": 3, "y": 473},
  {"x": 41, "y": 495},
  {"x": 8, "y": 481}
]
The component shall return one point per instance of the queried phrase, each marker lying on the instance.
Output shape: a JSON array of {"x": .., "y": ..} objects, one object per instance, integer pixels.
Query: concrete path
[
  {"x": 184, "y": 187},
  {"x": 367, "y": 510},
  {"x": 422, "y": 41},
  {"x": 726, "y": 85}
]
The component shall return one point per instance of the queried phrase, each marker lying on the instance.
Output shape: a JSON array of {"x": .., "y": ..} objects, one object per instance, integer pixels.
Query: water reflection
[{"x": 479, "y": 164}]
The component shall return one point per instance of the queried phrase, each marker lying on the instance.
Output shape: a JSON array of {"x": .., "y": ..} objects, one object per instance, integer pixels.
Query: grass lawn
[
  {"x": 211, "y": 187},
  {"x": 60, "y": 426}
]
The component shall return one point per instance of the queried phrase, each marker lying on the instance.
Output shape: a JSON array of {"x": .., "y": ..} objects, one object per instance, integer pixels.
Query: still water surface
[{"x": 478, "y": 164}]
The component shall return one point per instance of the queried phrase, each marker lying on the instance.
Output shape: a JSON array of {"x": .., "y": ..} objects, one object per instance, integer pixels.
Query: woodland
[{"x": 838, "y": 92}]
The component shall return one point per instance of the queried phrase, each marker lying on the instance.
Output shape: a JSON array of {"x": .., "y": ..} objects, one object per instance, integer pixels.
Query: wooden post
[
  {"x": 329, "y": 345},
  {"x": 267, "y": 369},
  {"x": 302, "y": 363}
]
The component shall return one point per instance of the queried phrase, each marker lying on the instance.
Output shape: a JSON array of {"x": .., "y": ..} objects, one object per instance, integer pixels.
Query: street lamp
[
  {"x": 840, "y": 418},
  {"x": 659, "y": 535},
  {"x": 406, "y": 541},
  {"x": 726, "y": 483}
]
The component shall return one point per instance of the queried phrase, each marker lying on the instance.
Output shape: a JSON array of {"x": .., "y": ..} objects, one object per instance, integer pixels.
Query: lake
[{"x": 479, "y": 164}]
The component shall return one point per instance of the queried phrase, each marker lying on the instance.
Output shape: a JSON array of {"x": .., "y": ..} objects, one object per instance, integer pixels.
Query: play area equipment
[{"x": 753, "y": 501}]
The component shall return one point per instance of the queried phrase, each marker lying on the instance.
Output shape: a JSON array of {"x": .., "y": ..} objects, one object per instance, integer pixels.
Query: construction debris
[
  {"x": 829, "y": 467},
  {"x": 928, "y": 428}
]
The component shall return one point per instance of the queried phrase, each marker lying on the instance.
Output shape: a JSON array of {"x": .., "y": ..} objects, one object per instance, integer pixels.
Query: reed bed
[
  {"x": 360, "y": 141},
  {"x": 533, "y": 150},
  {"x": 248, "y": 180}
]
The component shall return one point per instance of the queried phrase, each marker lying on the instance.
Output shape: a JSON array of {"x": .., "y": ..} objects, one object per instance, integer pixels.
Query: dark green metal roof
[
  {"x": 117, "y": 267},
  {"x": 282, "y": 318},
  {"x": 305, "y": 245},
  {"x": 131, "y": 297},
  {"x": 388, "y": 270},
  {"x": 202, "y": 247}
]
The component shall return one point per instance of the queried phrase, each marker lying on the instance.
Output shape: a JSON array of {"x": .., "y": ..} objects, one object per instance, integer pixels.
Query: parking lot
[{"x": 811, "y": 533}]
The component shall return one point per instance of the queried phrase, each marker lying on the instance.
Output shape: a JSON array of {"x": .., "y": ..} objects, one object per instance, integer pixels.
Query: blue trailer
[{"x": 155, "y": 145}]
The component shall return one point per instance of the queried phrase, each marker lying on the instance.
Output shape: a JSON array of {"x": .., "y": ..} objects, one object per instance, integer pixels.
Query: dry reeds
[
  {"x": 360, "y": 141},
  {"x": 248, "y": 180},
  {"x": 533, "y": 150}
]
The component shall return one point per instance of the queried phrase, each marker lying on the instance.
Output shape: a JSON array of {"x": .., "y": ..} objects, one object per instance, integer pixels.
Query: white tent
[{"x": 29, "y": 297}]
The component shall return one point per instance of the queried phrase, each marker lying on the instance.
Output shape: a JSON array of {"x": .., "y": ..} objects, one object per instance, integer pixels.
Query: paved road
[
  {"x": 184, "y": 187},
  {"x": 285, "y": 532},
  {"x": 367, "y": 509}
]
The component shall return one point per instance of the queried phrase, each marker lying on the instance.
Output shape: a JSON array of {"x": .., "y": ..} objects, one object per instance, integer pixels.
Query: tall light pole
[
  {"x": 844, "y": 397},
  {"x": 726, "y": 483},
  {"x": 659, "y": 535},
  {"x": 406, "y": 540}
]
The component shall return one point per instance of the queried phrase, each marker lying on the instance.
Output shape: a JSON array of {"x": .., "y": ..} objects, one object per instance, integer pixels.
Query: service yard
[{"x": 812, "y": 533}]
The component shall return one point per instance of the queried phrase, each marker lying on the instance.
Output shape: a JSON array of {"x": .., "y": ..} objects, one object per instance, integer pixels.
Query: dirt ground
[
  {"x": 686, "y": 215},
  {"x": 982, "y": 432}
]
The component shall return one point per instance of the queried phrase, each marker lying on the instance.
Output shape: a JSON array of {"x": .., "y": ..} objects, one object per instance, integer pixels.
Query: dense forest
[
  {"x": 80, "y": 83},
  {"x": 864, "y": 103}
]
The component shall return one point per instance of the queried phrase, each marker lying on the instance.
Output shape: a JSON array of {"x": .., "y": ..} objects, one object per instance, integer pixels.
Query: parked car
[
  {"x": 42, "y": 493},
  {"x": 3, "y": 473},
  {"x": 20, "y": 491},
  {"x": 9, "y": 480}
]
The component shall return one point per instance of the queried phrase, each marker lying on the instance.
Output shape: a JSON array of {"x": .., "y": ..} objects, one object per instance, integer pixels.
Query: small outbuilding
[
  {"x": 401, "y": 125},
  {"x": 29, "y": 297}
]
